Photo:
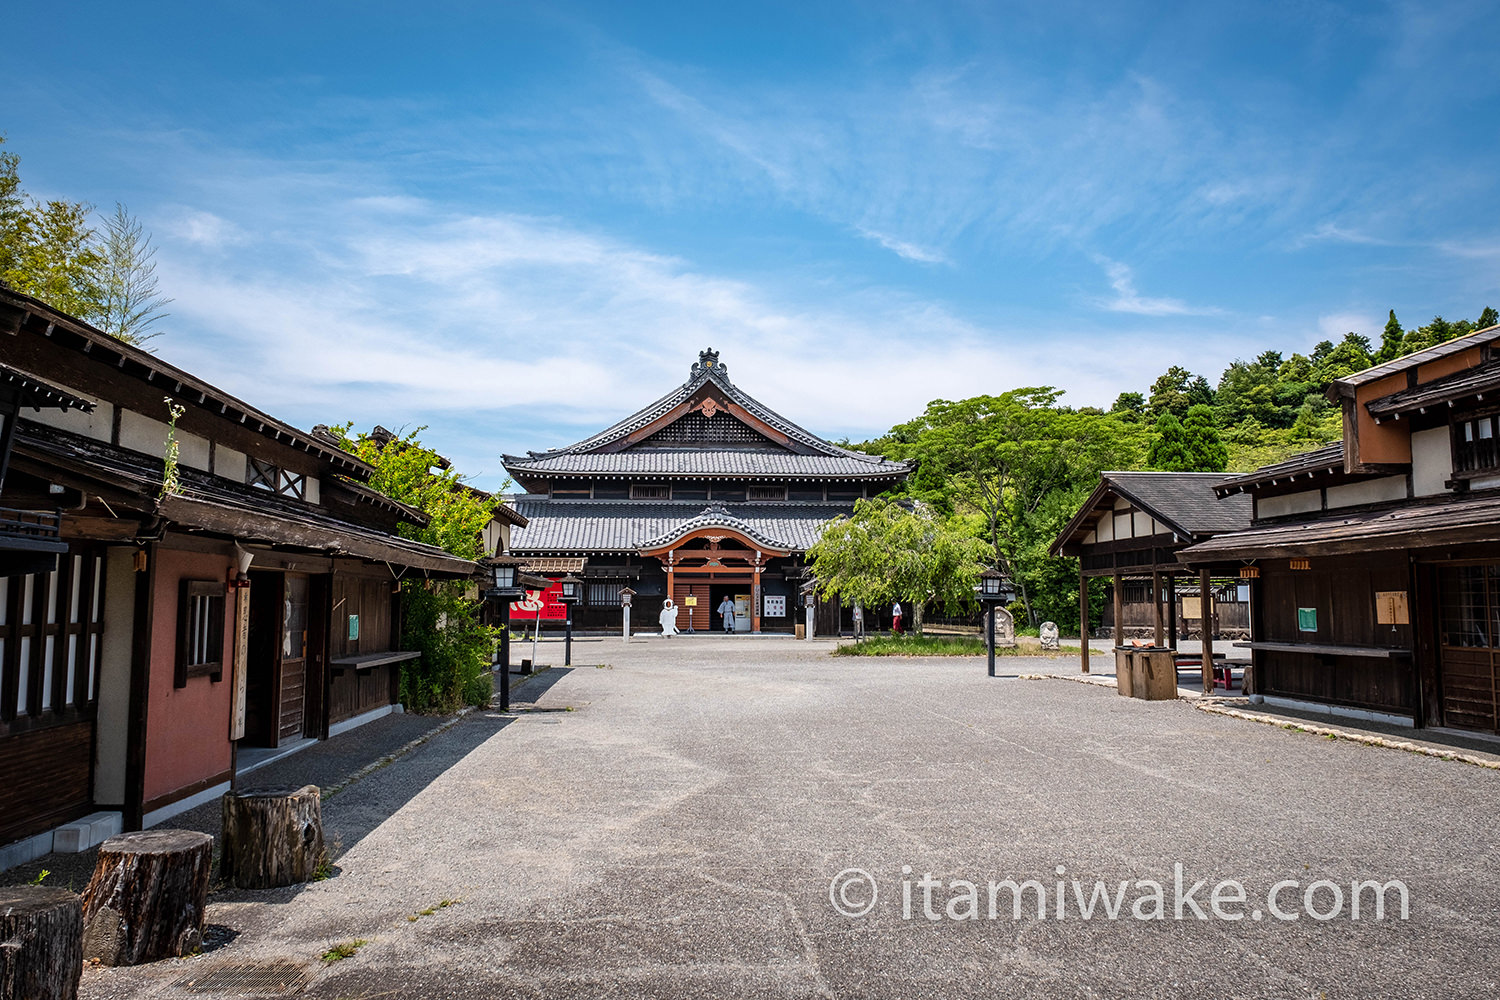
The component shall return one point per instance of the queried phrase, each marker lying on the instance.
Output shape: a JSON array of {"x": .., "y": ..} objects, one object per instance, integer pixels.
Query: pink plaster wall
[{"x": 187, "y": 729}]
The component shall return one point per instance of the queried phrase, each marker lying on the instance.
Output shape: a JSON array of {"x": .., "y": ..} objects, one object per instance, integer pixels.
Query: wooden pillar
[
  {"x": 1119, "y": 596},
  {"x": 671, "y": 577},
  {"x": 1172, "y": 610},
  {"x": 755, "y": 595},
  {"x": 1205, "y": 608},
  {"x": 1083, "y": 619},
  {"x": 1161, "y": 629}
]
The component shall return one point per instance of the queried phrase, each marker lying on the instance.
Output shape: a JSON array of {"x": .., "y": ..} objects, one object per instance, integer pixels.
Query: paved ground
[{"x": 667, "y": 824}]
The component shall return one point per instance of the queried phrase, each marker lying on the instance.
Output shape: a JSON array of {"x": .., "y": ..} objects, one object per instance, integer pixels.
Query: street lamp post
[
  {"x": 572, "y": 593},
  {"x": 810, "y": 600},
  {"x": 993, "y": 590},
  {"x": 625, "y": 596},
  {"x": 504, "y": 590}
]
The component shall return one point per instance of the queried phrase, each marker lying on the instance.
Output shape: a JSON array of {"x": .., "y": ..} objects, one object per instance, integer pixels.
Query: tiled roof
[
  {"x": 1185, "y": 500},
  {"x": 826, "y": 459},
  {"x": 548, "y": 565},
  {"x": 563, "y": 526},
  {"x": 708, "y": 464}
]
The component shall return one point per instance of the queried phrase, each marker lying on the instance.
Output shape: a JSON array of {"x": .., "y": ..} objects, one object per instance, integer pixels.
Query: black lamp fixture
[
  {"x": 995, "y": 587},
  {"x": 572, "y": 589},
  {"x": 503, "y": 571}
]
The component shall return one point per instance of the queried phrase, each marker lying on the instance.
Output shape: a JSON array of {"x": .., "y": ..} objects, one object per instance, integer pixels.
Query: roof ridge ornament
[{"x": 708, "y": 365}]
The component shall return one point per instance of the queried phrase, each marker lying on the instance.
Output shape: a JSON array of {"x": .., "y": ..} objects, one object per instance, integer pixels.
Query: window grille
[
  {"x": 200, "y": 631},
  {"x": 273, "y": 478},
  {"x": 695, "y": 428},
  {"x": 768, "y": 493},
  {"x": 651, "y": 492},
  {"x": 50, "y": 628},
  {"x": 605, "y": 594}
]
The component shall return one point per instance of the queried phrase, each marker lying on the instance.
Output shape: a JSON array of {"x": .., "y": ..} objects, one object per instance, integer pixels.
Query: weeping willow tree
[{"x": 888, "y": 551}]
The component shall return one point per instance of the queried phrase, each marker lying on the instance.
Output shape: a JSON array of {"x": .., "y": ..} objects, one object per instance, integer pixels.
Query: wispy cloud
[
  {"x": 902, "y": 248},
  {"x": 1128, "y": 300}
]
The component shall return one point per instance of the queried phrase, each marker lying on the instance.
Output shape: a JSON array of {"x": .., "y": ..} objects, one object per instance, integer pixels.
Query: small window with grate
[
  {"x": 651, "y": 491},
  {"x": 200, "y": 631},
  {"x": 1475, "y": 445},
  {"x": 768, "y": 493},
  {"x": 275, "y": 479}
]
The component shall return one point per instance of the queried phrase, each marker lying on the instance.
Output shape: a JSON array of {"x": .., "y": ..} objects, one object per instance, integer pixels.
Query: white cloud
[
  {"x": 1128, "y": 300},
  {"x": 201, "y": 228},
  {"x": 901, "y": 248}
]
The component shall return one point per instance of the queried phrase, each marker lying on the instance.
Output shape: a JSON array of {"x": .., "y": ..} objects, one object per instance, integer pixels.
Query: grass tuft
[{"x": 343, "y": 950}]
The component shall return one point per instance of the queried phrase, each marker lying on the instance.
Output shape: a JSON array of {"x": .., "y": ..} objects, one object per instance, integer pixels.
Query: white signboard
[{"x": 775, "y": 607}]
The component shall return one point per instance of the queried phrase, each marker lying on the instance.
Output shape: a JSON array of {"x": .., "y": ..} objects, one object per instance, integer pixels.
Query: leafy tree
[
  {"x": 132, "y": 302},
  {"x": 1487, "y": 319},
  {"x": 1352, "y": 354},
  {"x": 1390, "y": 339},
  {"x": 440, "y": 619},
  {"x": 1129, "y": 406},
  {"x": 51, "y": 255},
  {"x": 1176, "y": 391},
  {"x": 1190, "y": 445},
  {"x": 889, "y": 551}
]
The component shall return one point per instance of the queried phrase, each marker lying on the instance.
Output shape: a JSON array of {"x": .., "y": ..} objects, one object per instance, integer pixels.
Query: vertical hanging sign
[{"x": 241, "y": 662}]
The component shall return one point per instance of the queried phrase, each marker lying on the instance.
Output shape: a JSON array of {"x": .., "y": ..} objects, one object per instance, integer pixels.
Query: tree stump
[
  {"x": 41, "y": 943},
  {"x": 272, "y": 837},
  {"x": 147, "y": 897}
]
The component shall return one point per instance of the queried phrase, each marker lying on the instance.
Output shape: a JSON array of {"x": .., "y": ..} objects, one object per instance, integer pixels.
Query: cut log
[
  {"x": 147, "y": 898},
  {"x": 41, "y": 943},
  {"x": 272, "y": 837}
]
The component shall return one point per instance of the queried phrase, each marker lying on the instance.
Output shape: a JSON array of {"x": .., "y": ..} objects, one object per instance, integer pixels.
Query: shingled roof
[
  {"x": 561, "y": 527},
  {"x": 1187, "y": 502},
  {"x": 805, "y": 456}
]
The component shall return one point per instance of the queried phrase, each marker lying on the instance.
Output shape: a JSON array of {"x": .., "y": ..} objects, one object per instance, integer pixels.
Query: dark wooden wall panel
[{"x": 57, "y": 764}]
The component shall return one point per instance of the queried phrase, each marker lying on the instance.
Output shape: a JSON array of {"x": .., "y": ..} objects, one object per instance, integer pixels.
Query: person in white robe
[{"x": 669, "y": 618}]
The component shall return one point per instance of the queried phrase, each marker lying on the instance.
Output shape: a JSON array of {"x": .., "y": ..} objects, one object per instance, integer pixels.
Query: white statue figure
[
  {"x": 669, "y": 618},
  {"x": 1049, "y": 635}
]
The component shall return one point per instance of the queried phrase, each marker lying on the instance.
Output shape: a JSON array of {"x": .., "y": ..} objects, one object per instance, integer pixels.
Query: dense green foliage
[
  {"x": 440, "y": 619},
  {"x": 1013, "y": 469},
  {"x": 50, "y": 250},
  {"x": 887, "y": 551}
]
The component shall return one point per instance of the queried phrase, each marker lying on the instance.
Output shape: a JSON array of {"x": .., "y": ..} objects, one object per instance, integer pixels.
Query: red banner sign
[{"x": 545, "y": 604}]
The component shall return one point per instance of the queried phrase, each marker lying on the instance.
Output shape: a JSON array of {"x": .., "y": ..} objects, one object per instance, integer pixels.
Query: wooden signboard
[
  {"x": 1307, "y": 619},
  {"x": 690, "y": 601},
  {"x": 241, "y": 666},
  {"x": 1192, "y": 607},
  {"x": 1391, "y": 608}
]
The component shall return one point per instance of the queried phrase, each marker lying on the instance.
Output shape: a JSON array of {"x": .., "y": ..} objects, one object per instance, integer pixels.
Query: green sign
[
  {"x": 1307, "y": 619},
  {"x": 354, "y": 626}
]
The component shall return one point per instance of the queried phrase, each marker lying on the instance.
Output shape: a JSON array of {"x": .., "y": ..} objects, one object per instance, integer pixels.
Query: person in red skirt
[{"x": 896, "y": 618}]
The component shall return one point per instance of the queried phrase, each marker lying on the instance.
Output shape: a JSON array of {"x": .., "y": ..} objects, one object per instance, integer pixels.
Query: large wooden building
[
  {"x": 1376, "y": 561},
  {"x": 704, "y": 494},
  {"x": 147, "y": 626}
]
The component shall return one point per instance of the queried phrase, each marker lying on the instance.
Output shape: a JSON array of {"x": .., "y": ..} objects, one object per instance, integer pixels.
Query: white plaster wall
[
  {"x": 1431, "y": 461},
  {"x": 313, "y": 490},
  {"x": 98, "y": 425},
  {"x": 229, "y": 463},
  {"x": 1106, "y": 528},
  {"x": 112, "y": 724},
  {"x": 1374, "y": 491},
  {"x": 1291, "y": 503},
  {"x": 148, "y": 436}
]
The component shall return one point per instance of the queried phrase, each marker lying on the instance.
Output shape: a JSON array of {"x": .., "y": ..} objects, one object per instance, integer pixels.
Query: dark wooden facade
[{"x": 1378, "y": 559}]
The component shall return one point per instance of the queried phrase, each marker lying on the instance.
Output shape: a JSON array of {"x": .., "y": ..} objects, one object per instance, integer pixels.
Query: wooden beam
[
  {"x": 1083, "y": 619},
  {"x": 1172, "y": 610},
  {"x": 1119, "y": 597},
  {"x": 1161, "y": 630},
  {"x": 1205, "y": 611}
]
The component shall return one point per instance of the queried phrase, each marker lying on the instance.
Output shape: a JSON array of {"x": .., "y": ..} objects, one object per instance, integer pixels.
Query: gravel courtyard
[{"x": 668, "y": 822}]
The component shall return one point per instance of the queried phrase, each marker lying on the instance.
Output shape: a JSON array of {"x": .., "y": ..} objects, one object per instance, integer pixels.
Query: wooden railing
[{"x": 29, "y": 524}]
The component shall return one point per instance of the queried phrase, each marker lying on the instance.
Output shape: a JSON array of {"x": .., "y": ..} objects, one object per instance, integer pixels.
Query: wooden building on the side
[
  {"x": 1129, "y": 532},
  {"x": 251, "y": 599},
  {"x": 1376, "y": 561},
  {"x": 706, "y": 493}
]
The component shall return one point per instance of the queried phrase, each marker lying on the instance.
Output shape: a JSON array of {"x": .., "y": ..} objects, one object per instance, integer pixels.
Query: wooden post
[
  {"x": 1119, "y": 597},
  {"x": 1161, "y": 631},
  {"x": 147, "y": 898},
  {"x": 1172, "y": 610},
  {"x": 1083, "y": 618},
  {"x": 41, "y": 957},
  {"x": 1205, "y": 607}
]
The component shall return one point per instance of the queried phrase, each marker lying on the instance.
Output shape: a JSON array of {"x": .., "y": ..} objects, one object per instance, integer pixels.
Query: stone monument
[{"x": 1005, "y": 629}]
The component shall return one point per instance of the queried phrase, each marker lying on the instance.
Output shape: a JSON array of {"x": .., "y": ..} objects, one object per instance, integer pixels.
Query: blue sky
[{"x": 515, "y": 223}]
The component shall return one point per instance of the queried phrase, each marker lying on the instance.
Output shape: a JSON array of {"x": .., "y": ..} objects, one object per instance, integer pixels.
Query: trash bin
[
  {"x": 801, "y": 630},
  {"x": 1123, "y": 670},
  {"x": 1153, "y": 674}
]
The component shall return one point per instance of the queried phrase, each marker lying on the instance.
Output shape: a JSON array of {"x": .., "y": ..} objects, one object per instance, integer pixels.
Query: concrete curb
[
  {"x": 1368, "y": 739},
  {"x": 395, "y": 754}
]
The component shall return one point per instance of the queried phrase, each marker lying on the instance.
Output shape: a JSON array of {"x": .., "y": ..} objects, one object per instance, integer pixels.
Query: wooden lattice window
[
  {"x": 651, "y": 491},
  {"x": 768, "y": 493},
  {"x": 605, "y": 593},
  {"x": 200, "y": 631},
  {"x": 267, "y": 476},
  {"x": 1475, "y": 442},
  {"x": 50, "y": 637}
]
